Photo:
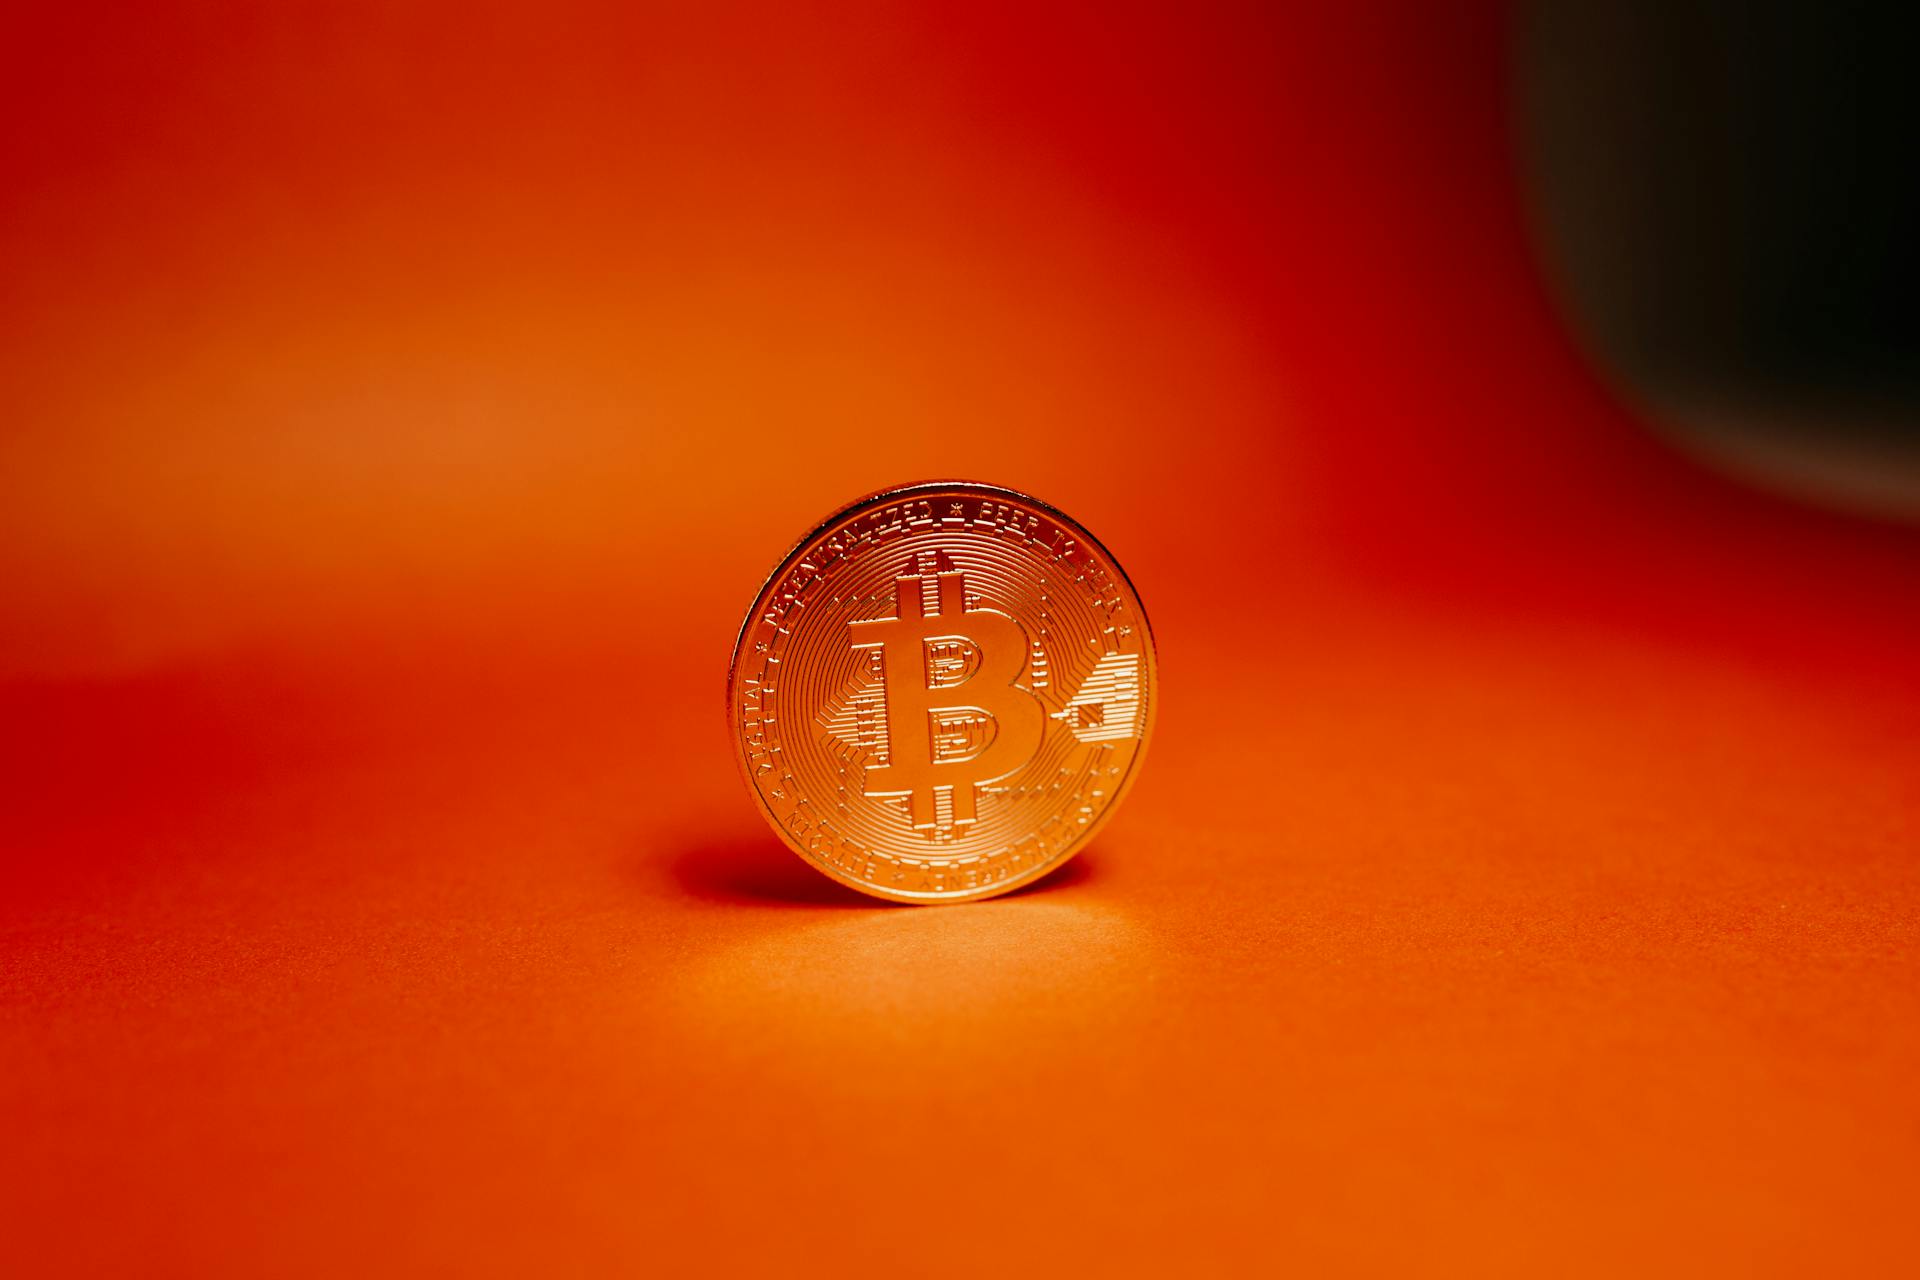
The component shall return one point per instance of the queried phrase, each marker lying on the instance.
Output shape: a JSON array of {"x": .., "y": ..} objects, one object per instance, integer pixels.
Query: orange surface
[{"x": 399, "y": 408}]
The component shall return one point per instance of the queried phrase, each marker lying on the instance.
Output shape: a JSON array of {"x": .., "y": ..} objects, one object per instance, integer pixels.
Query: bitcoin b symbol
[{"x": 956, "y": 721}]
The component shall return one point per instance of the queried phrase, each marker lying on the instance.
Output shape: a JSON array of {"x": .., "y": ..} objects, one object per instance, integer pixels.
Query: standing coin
[{"x": 942, "y": 692}]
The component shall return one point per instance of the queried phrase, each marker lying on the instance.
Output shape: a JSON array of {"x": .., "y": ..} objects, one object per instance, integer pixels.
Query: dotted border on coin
[{"x": 992, "y": 511}]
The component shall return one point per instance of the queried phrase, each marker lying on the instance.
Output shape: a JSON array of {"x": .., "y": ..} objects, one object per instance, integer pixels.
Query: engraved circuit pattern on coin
[{"x": 942, "y": 692}]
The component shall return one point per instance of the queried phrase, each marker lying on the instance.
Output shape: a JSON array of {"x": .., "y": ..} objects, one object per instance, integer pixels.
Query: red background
[{"x": 402, "y": 403}]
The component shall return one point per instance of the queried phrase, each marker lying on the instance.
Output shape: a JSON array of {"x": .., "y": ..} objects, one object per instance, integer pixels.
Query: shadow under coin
[{"x": 761, "y": 871}]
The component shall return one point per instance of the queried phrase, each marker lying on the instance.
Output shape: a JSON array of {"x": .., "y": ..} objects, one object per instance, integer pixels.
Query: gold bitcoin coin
[{"x": 942, "y": 692}]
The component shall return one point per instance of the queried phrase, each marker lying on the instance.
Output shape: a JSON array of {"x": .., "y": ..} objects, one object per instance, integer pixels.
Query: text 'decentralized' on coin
[{"x": 942, "y": 692}]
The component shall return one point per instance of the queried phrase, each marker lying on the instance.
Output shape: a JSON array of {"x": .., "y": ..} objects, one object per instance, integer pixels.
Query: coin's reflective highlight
[{"x": 942, "y": 692}]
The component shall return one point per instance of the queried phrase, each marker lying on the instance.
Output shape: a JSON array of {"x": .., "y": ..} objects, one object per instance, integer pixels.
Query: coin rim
[{"x": 974, "y": 488}]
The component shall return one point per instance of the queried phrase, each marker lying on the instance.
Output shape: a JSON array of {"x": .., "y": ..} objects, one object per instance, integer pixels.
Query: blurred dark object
[{"x": 1728, "y": 199}]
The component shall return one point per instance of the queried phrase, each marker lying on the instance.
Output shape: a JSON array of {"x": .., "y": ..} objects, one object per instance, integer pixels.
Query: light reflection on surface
[{"x": 953, "y": 985}]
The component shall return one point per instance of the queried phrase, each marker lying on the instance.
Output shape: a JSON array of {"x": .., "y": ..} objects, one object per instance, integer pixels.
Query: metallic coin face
[{"x": 942, "y": 692}]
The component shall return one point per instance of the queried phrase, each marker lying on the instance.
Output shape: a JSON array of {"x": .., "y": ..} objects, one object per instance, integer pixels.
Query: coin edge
[{"x": 972, "y": 488}]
